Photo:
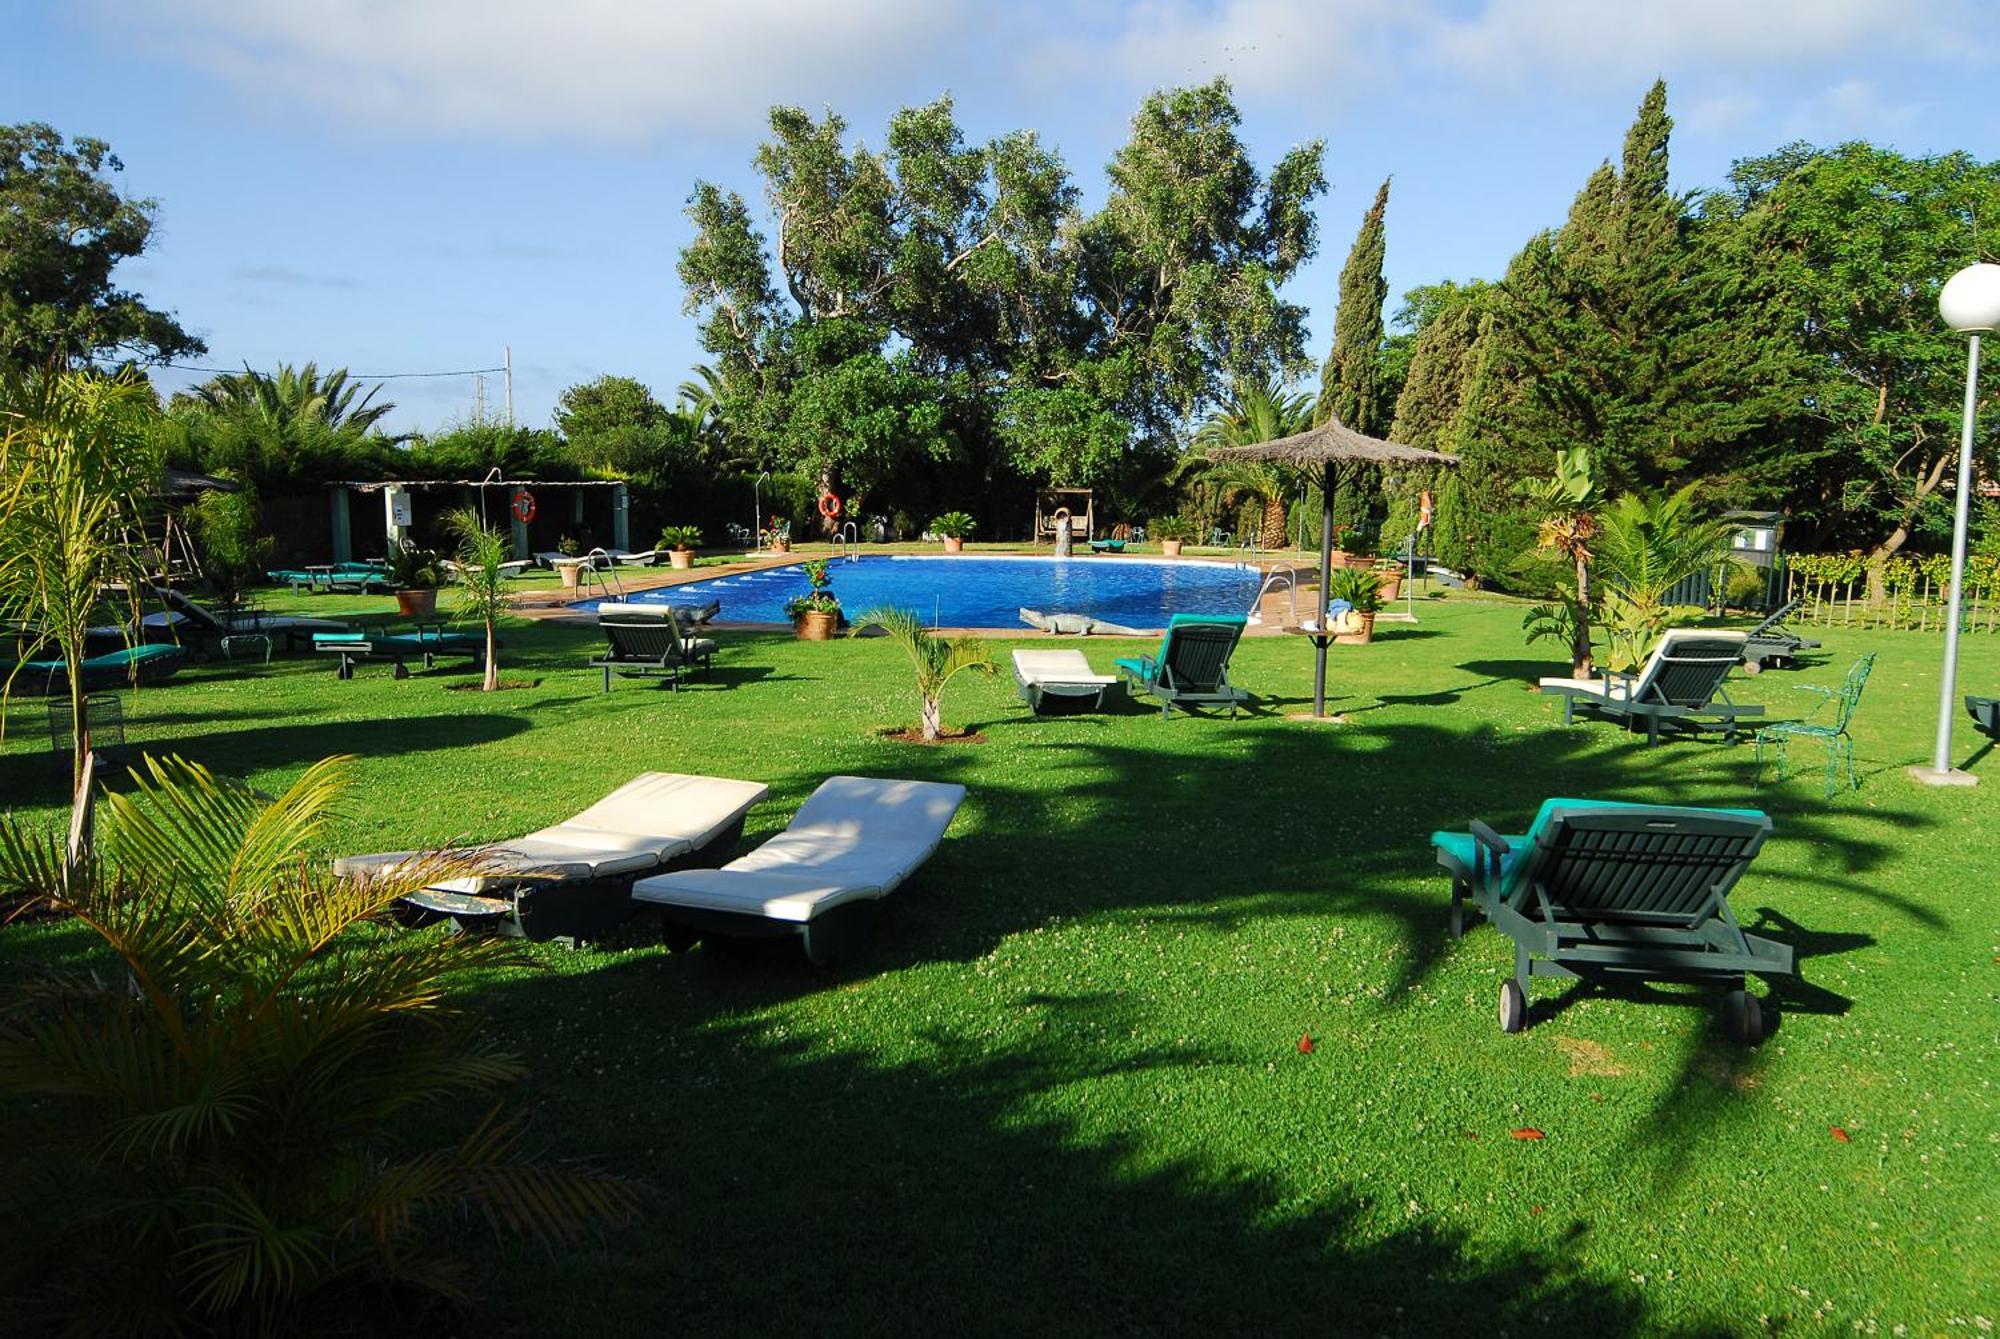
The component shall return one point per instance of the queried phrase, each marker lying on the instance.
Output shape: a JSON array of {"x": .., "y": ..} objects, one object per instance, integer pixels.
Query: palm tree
[
  {"x": 77, "y": 461},
  {"x": 296, "y": 395},
  {"x": 1645, "y": 547},
  {"x": 1569, "y": 499},
  {"x": 206, "y": 1139},
  {"x": 936, "y": 661},
  {"x": 1254, "y": 412},
  {"x": 482, "y": 555}
]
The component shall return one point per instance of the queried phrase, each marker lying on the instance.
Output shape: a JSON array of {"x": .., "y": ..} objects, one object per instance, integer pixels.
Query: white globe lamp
[{"x": 1969, "y": 304}]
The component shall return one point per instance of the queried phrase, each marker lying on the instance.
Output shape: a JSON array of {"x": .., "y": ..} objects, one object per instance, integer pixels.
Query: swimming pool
[{"x": 989, "y": 592}]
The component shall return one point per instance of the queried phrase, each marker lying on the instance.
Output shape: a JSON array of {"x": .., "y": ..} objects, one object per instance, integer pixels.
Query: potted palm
[
  {"x": 936, "y": 661},
  {"x": 816, "y": 614},
  {"x": 954, "y": 528},
  {"x": 415, "y": 574},
  {"x": 1363, "y": 593},
  {"x": 1172, "y": 532},
  {"x": 679, "y": 541},
  {"x": 569, "y": 567}
]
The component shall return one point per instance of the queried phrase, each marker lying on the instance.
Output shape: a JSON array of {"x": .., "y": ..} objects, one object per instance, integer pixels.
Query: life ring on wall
[
  {"x": 524, "y": 506},
  {"x": 829, "y": 505}
]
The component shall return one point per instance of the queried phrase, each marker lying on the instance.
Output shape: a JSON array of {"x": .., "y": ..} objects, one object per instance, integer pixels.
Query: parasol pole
[{"x": 1325, "y": 578}]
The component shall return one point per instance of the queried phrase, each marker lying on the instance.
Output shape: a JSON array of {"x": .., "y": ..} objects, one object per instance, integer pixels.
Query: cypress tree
[
  {"x": 1351, "y": 387},
  {"x": 1434, "y": 389}
]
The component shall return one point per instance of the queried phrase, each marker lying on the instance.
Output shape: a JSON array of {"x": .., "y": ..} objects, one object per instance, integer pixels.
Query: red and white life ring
[
  {"x": 524, "y": 506},
  {"x": 829, "y": 505}
]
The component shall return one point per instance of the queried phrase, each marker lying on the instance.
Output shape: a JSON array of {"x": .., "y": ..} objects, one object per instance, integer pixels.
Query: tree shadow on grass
[{"x": 807, "y": 1188}]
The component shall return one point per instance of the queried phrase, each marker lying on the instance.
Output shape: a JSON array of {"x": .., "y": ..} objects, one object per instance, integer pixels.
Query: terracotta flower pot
[
  {"x": 680, "y": 559},
  {"x": 416, "y": 603},
  {"x": 1391, "y": 586},
  {"x": 817, "y": 626},
  {"x": 781, "y": 546},
  {"x": 1352, "y": 629},
  {"x": 954, "y": 545},
  {"x": 1171, "y": 548},
  {"x": 571, "y": 572}
]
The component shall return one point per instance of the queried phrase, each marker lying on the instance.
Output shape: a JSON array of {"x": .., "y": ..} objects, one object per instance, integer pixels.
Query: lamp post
[{"x": 1970, "y": 304}]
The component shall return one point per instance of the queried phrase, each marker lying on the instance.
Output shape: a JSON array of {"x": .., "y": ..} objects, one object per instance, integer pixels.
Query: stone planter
[
  {"x": 417, "y": 603},
  {"x": 1171, "y": 548},
  {"x": 954, "y": 545},
  {"x": 680, "y": 559},
  {"x": 1352, "y": 629},
  {"x": 817, "y": 626}
]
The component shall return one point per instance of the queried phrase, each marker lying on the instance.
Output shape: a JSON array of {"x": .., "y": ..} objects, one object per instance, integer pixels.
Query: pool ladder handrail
[
  {"x": 1280, "y": 579},
  {"x": 591, "y": 572},
  {"x": 844, "y": 542},
  {"x": 1246, "y": 551}
]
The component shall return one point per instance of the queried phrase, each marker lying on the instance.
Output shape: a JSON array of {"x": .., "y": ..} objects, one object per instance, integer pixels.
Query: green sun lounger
[
  {"x": 651, "y": 645},
  {"x": 1771, "y": 643},
  {"x": 1985, "y": 714},
  {"x": 1191, "y": 668},
  {"x": 143, "y": 664},
  {"x": 1602, "y": 890},
  {"x": 424, "y": 645},
  {"x": 1107, "y": 546},
  {"x": 1679, "y": 688}
]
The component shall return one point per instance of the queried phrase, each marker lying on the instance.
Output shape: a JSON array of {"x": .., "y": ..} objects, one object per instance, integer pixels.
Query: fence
[{"x": 1831, "y": 590}]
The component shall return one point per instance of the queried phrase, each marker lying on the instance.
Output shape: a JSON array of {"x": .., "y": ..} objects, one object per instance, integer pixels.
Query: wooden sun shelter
[{"x": 1076, "y": 502}]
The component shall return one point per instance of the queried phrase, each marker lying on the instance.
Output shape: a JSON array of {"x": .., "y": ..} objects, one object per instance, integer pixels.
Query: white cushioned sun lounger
[
  {"x": 651, "y": 821},
  {"x": 1057, "y": 681},
  {"x": 1680, "y": 686},
  {"x": 849, "y": 846}
]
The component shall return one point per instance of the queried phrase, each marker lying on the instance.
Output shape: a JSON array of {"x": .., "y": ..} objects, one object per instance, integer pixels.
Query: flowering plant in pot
[
  {"x": 416, "y": 574},
  {"x": 680, "y": 542},
  {"x": 779, "y": 537},
  {"x": 1363, "y": 593},
  {"x": 954, "y": 528},
  {"x": 1172, "y": 532},
  {"x": 816, "y": 614}
]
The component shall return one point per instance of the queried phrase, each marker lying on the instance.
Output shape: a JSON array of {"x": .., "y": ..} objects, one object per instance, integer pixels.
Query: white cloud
[
  {"x": 1724, "y": 111},
  {"x": 1853, "y": 108},
  {"x": 606, "y": 69}
]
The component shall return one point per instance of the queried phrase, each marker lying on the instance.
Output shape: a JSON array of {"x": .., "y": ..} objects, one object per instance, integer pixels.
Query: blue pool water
[{"x": 969, "y": 592}]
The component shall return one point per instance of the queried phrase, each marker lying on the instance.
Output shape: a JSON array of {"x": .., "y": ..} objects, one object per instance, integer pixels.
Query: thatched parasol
[{"x": 1325, "y": 449}]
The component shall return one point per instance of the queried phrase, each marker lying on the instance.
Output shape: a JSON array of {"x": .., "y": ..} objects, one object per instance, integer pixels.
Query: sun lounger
[
  {"x": 114, "y": 669},
  {"x": 1985, "y": 714},
  {"x": 1596, "y": 889},
  {"x": 1192, "y": 664},
  {"x": 1059, "y": 682},
  {"x": 823, "y": 878},
  {"x": 1107, "y": 546},
  {"x": 182, "y": 615},
  {"x": 1082, "y": 625},
  {"x": 1771, "y": 643},
  {"x": 650, "y": 645},
  {"x": 574, "y": 879},
  {"x": 1680, "y": 686},
  {"x": 424, "y": 645}
]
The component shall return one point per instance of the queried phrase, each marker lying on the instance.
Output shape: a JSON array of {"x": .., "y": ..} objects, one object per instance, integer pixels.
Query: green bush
[
  {"x": 680, "y": 537},
  {"x": 953, "y": 525}
]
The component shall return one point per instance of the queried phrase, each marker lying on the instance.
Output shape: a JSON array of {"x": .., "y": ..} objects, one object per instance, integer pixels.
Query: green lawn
[{"x": 1063, "y": 1091}]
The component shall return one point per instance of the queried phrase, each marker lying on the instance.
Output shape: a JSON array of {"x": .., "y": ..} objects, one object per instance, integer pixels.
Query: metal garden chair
[{"x": 1833, "y": 734}]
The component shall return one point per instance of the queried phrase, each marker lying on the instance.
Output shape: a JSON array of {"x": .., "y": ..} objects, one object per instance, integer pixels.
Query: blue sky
[{"x": 409, "y": 185}]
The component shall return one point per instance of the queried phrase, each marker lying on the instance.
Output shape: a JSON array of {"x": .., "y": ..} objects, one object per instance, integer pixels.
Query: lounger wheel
[
  {"x": 1743, "y": 1016},
  {"x": 1513, "y": 1007},
  {"x": 1753, "y": 667}
]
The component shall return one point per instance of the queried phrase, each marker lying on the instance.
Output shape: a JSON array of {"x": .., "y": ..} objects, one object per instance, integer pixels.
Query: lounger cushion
[
  {"x": 686, "y": 613},
  {"x": 1056, "y": 668},
  {"x": 857, "y": 837},
  {"x": 654, "y": 818}
]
